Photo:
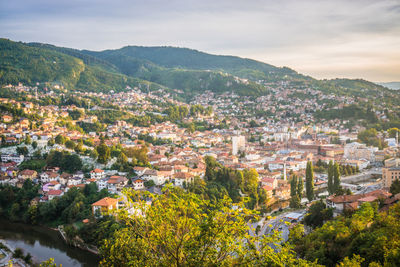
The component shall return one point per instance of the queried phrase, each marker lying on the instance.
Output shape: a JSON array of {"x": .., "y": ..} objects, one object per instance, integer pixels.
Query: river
[{"x": 43, "y": 243}]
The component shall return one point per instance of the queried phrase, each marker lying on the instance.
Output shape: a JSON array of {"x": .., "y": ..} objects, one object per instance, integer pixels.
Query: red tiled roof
[
  {"x": 105, "y": 202},
  {"x": 55, "y": 192}
]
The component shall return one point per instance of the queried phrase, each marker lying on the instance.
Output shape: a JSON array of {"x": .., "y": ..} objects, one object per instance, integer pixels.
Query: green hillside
[
  {"x": 189, "y": 70},
  {"x": 21, "y": 63},
  {"x": 34, "y": 63},
  {"x": 131, "y": 59}
]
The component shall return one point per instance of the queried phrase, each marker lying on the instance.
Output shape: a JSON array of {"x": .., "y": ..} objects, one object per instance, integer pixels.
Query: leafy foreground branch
[{"x": 180, "y": 229}]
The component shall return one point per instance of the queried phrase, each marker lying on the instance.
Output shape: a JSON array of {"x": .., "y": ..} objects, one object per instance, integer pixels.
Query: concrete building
[
  {"x": 359, "y": 151},
  {"x": 391, "y": 171},
  {"x": 238, "y": 144}
]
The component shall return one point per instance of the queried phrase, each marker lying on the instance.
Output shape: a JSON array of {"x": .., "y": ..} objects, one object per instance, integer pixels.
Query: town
[{"x": 145, "y": 141}]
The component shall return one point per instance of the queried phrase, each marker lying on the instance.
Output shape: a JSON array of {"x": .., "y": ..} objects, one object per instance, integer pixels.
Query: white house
[
  {"x": 48, "y": 176},
  {"x": 155, "y": 176},
  {"x": 97, "y": 174},
  {"x": 138, "y": 184}
]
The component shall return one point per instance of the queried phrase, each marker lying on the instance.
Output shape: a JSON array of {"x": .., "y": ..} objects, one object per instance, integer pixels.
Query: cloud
[{"x": 318, "y": 37}]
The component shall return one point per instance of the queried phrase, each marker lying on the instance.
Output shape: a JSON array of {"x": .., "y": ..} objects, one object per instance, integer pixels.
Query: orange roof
[
  {"x": 105, "y": 202},
  {"x": 97, "y": 170},
  {"x": 268, "y": 188},
  {"x": 368, "y": 199}
]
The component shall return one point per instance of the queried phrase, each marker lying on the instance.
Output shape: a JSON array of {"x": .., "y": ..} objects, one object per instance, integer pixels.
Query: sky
[{"x": 321, "y": 38}]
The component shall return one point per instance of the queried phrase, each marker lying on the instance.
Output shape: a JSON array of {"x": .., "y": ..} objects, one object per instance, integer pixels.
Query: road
[
  {"x": 362, "y": 175},
  {"x": 279, "y": 223}
]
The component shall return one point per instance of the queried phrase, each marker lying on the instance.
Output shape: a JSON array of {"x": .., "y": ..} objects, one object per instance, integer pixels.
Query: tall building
[
  {"x": 238, "y": 144},
  {"x": 391, "y": 171},
  {"x": 359, "y": 151}
]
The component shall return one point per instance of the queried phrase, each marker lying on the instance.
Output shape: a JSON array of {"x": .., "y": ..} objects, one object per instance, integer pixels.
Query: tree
[
  {"x": 355, "y": 261},
  {"x": 50, "y": 142},
  {"x": 70, "y": 144},
  {"x": 181, "y": 229},
  {"x": 34, "y": 144},
  {"x": 296, "y": 191},
  {"x": 122, "y": 159},
  {"x": 28, "y": 258},
  {"x": 71, "y": 163},
  {"x": 309, "y": 181},
  {"x": 49, "y": 263},
  {"x": 300, "y": 188},
  {"x": 94, "y": 154},
  {"x": 28, "y": 140},
  {"x": 18, "y": 253},
  {"x": 393, "y": 132},
  {"x": 75, "y": 114},
  {"x": 331, "y": 188},
  {"x": 317, "y": 214},
  {"x": 104, "y": 153},
  {"x": 22, "y": 150},
  {"x": 59, "y": 139},
  {"x": 395, "y": 187},
  {"x": 336, "y": 177},
  {"x": 191, "y": 128},
  {"x": 79, "y": 146},
  {"x": 293, "y": 185},
  {"x": 149, "y": 183},
  {"x": 296, "y": 233}
]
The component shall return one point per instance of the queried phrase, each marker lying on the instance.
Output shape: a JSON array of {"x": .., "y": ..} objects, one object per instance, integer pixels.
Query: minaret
[
  {"x": 284, "y": 172},
  {"x": 397, "y": 138}
]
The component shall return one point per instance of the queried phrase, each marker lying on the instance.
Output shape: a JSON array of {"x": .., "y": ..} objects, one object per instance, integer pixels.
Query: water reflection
[{"x": 44, "y": 243}]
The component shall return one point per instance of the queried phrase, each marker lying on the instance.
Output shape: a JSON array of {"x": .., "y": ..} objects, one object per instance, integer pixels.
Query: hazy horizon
[{"x": 323, "y": 39}]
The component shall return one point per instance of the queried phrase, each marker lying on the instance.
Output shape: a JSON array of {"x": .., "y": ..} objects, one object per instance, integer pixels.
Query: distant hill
[
  {"x": 34, "y": 63},
  {"x": 391, "y": 85},
  {"x": 184, "y": 58},
  {"x": 189, "y": 70}
]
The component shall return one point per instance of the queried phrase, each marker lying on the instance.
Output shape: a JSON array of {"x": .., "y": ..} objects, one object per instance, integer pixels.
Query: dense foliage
[
  {"x": 182, "y": 229},
  {"x": 75, "y": 205},
  {"x": 221, "y": 181},
  {"x": 296, "y": 191},
  {"x": 368, "y": 233},
  {"x": 31, "y": 64},
  {"x": 66, "y": 161}
]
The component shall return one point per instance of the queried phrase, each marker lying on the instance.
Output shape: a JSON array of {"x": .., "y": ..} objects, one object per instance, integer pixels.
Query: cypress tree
[
  {"x": 310, "y": 181},
  {"x": 330, "y": 178},
  {"x": 293, "y": 186},
  {"x": 300, "y": 188},
  {"x": 294, "y": 200},
  {"x": 336, "y": 177}
]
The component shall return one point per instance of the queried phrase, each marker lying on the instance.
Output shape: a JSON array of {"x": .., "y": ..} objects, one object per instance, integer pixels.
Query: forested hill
[
  {"x": 184, "y": 58},
  {"x": 20, "y": 62},
  {"x": 189, "y": 70}
]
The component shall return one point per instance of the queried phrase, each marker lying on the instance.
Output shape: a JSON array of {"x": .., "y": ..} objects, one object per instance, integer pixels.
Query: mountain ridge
[{"x": 189, "y": 70}]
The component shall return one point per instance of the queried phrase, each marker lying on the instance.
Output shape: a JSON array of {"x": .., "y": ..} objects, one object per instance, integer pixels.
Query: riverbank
[
  {"x": 77, "y": 242},
  {"x": 44, "y": 243},
  {"x": 8, "y": 253}
]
